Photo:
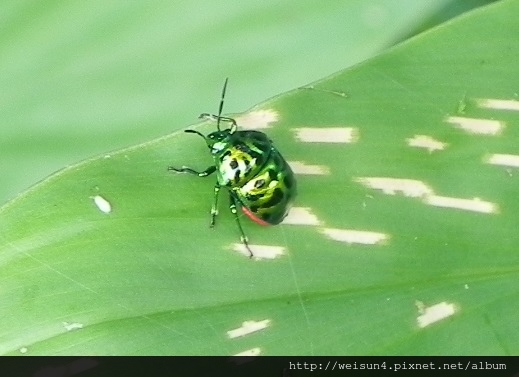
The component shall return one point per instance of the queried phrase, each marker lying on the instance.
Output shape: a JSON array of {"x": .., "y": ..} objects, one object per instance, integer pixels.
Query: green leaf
[
  {"x": 79, "y": 78},
  {"x": 114, "y": 255}
]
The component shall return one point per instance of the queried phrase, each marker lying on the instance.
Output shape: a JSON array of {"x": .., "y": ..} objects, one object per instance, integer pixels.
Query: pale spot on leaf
[
  {"x": 258, "y": 119},
  {"x": 477, "y": 126},
  {"x": 435, "y": 313},
  {"x": 503, "y": 160},
  {"x": 474, "y": 205},
  {"x": 72, "y": 326},
  {"x": 300, "y": 167},
  {"x": 391, "y": 186},
  {"x": 260, "y": 251},
  {"x": 356, "y": 236},
  {"x": 327, "y": 135},
  {"x": 248, "y": 327},
  {"x": 250, "y": 352},
  {"x": 498, "y": 104},
  {"x": 103, "y": 204},
  {"x": 301, "y": 216},
  {"x": 426, "y": 142}
]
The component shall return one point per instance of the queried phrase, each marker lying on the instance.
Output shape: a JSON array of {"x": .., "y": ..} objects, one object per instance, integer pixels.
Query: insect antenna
[
  {"x": 221, "y": 104},
  {"x": 194, "y": 132}
]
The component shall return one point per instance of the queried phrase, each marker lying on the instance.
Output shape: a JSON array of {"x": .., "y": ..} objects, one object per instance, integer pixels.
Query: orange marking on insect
[{"x": 253, "y": 217}]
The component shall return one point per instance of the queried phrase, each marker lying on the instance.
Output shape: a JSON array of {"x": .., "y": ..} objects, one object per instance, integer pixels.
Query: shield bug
[{"x": 258, "y": 178}]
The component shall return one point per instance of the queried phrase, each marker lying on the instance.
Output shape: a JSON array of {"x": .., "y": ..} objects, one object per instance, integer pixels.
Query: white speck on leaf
[
  {"x": 72, "y": 326},
  {"x": 103, "y": 204}
]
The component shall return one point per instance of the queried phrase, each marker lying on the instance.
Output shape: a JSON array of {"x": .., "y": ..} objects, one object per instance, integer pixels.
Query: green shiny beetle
[{"x": 247, "y": 163}]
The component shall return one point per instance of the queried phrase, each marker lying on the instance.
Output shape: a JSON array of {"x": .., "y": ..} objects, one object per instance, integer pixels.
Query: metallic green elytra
[{"x": 258, "y": 178}]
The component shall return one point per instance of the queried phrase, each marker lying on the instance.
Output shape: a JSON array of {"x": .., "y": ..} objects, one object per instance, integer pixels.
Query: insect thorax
[{"x": 242, "y": 158}]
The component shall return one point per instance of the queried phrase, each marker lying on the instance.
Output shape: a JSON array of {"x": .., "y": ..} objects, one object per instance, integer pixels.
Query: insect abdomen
[{"x": 269, "y": 194}]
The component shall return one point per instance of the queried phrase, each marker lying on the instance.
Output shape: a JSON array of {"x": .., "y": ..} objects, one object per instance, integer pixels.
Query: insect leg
[
  {"x": 243, "y": 238},
  {"x": 210, "y": 170},
  {"x": 214, "y": 207},
  {"x": 184, "y": 169}
]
